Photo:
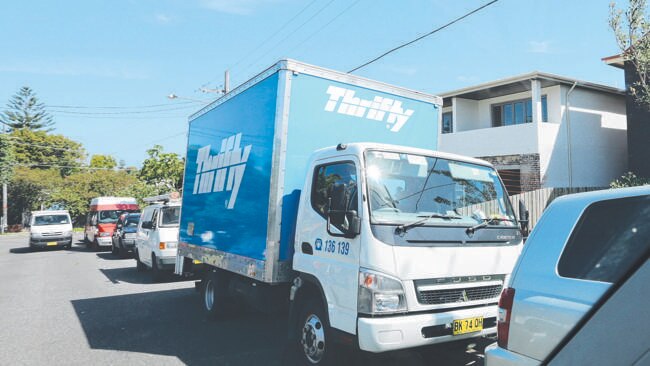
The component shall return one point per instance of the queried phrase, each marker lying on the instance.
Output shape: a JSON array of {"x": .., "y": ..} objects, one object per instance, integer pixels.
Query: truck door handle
[{"x": 307, "y": 249}]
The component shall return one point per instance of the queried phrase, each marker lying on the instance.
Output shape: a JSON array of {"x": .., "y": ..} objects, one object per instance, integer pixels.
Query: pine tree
[{"x": 25, "y": 111}]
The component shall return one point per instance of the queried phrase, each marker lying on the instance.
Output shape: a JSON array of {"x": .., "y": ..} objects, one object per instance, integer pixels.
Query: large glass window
[
  {"x": 51, "y": 220},
  {"x": 403, "y": 188},
  {"x": 447, "y": 123},
  {"x": 516, "y": 112},
  {"x": 609, "y": 238}
]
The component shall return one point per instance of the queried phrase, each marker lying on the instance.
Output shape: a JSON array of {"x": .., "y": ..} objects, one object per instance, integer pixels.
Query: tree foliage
[
  {"x": 162, "y": 170},
  {"x": 629, "y": 179},
  {"x": 25, "y": 111},
  {"x": 632, "y": 31},
  {"x": 38, "y": 149},
  {"x": 102, "y": 161},
  {"x": 6, "y": 159}
]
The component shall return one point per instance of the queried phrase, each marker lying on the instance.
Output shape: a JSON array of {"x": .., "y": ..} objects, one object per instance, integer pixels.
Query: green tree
[
  {"x": 25, "y": 111},
  {"x": 631, "y": 29},
  {"x": 29, "y": 189},
  {"x": 162, "y": 170},
  {"x": 39, "y": 149},
  {"x": 629, "y": 179},
  {"x": 6, "y": 159},
  {"x": 103, "y": 161}
]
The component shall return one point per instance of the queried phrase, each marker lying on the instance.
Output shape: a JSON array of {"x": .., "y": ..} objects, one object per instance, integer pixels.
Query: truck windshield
[
  {"x": 51, "y": 220},
  {"x": 404, "y": 188},
  {"x": 170, "y": 216},
  {"x": 108, "y": 216}
]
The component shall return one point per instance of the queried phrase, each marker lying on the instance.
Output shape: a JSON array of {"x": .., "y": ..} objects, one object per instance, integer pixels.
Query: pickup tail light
[{"x": 503, "y": 316}]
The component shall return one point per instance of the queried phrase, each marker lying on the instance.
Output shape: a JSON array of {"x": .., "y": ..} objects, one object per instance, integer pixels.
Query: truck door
[
  {"x": 321, "y": 249},
  {"x": 144, "y": 232}
]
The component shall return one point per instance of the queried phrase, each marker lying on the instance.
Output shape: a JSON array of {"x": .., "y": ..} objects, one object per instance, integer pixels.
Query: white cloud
[
  {"x": 539, "y": 46},
  {"x": 239, "y": 7},
  {"x": 162, "y": 18}
]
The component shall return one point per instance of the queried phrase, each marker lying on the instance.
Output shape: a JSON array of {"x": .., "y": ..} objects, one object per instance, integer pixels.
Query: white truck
[{"x": 383, "y": 245}]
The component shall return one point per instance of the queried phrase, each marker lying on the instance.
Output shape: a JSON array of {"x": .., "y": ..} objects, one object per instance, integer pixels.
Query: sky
[{"x": 105, "y": 68}]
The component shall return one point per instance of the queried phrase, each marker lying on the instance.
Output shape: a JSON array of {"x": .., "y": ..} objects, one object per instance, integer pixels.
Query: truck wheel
[
  {"x": 141, "y": 267},
  {"x": 215, "y": 290},
  {"x": 313, "y": 332},
  {"x": 156, "y": 272}
]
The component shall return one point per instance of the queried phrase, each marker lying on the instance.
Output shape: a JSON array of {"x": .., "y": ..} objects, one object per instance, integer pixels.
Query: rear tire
[
  {"x": 139, "y": 266},
  {"x": 215, "y": 294},
  {"x": 156, "y": 272}
]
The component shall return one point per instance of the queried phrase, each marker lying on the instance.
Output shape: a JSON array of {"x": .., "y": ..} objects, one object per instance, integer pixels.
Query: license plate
[
  {"x": 469, "y": 325},
  {"x": 196, "y": 262},
  {"x": 51, "y": 243}
]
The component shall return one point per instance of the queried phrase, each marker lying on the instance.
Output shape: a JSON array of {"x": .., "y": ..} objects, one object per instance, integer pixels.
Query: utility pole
[
  {"x": 226, "y": 82},
  {"x": 3, "y": 219}
]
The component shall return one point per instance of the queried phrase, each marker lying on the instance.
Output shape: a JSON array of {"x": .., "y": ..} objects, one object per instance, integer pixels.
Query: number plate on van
[
  {"x": 469, "y": 325},
  {"x": 51, "y": 243}
]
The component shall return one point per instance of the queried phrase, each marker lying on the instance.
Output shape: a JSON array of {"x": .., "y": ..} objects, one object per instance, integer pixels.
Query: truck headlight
[
  {"x": 167, "y": 245},
  {"x": 67, "y": 233},
  {"x": 104, "y": 233},
  {"x": 380, "y": 294}
]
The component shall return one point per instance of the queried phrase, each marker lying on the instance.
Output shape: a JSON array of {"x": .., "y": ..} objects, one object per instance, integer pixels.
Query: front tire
[{"x": 314, "y": 343}]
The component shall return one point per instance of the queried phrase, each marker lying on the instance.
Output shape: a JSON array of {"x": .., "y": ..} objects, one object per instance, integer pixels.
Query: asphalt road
[{"x": 74, "y": 307}]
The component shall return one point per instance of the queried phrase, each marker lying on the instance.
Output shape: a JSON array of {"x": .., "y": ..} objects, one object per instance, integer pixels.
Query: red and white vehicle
[{"x": 102, "y": 217}]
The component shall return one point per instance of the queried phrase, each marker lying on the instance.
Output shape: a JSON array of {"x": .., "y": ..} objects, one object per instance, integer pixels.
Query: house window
[
  {"x": 447, "y": 123},
  {"x": 516, "y": 112}
]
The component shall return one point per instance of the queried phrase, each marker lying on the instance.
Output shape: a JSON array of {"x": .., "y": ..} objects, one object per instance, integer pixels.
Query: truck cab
[{"x": 401, "y": 247}]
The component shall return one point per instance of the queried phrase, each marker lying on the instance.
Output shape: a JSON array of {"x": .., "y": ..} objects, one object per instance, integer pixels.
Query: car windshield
[
  {"x": 170, "y": 216},
  {"x": 132, "y": 221},
  {"x": 404, "y": 188},
  {"x": 109, "y": 216},
  {"x": 51, "y": 220}
]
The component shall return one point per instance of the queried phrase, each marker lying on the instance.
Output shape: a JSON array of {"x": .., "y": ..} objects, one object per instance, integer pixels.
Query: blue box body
[{"x": 239, "y": 205}]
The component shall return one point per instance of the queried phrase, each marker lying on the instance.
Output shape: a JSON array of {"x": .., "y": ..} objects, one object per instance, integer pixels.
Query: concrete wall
[{"x": 598, "y": 141}]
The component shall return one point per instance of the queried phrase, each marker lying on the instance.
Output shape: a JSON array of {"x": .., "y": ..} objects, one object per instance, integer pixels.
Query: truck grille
[
  {"x": 53, "y": 233},
  {"x": 458, "y": 295}
]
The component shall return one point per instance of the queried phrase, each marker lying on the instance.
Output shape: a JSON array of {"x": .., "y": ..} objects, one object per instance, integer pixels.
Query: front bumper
[
  {"x": 50, "y": 241},
  {"x": 495, "y": 355},
  {"x": 104, "y": 240},
  {"x": 406, "y": 331}
]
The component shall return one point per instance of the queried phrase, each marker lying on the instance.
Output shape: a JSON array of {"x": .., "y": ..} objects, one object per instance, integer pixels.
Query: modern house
[
  {"x": 638, "y": 121},
  {"x": 540, "y": 130}
]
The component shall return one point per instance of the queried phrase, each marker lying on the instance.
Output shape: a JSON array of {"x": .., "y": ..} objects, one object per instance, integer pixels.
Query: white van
[
  {"x": 50, "y": 229},
  {"x": 157, "y": 237}
]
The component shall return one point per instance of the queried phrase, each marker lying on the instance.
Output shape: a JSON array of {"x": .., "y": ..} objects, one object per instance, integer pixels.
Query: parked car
[
  {"x": 125, "y": 232},
  {"x": 582, "y": 245},
  {"x": 50, "y": 229},
  {"x": 157, "y": 235}
]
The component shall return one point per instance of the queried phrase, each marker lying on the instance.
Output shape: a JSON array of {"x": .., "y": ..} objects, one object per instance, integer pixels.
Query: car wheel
[
  {"x": 141, "y": 267},
  {"x": 314, "y": 344},
  {"x": 215, "y": 294},
  {"x": 156, "y": 272}
]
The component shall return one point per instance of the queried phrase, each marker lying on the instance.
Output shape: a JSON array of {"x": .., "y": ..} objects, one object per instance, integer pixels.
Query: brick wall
[{"x": 528, "y": 165}]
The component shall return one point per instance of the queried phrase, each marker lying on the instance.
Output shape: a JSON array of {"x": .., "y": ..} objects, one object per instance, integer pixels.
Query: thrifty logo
[
  {"x": 224, "y": 171},
  {"x": 380, "y": 109}
]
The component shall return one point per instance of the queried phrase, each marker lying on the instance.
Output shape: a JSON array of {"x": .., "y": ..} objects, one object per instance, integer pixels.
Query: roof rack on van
[{"x": 163, "y": 198}]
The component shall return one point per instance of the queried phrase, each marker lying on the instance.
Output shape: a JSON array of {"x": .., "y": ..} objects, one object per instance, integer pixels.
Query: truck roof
[
  {"x": 50, "y": 212},
  {"x": 113, "y": 200},
  {"x": 360, "y": 147}
]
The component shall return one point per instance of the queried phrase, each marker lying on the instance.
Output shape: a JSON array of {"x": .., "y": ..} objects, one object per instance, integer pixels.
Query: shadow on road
[
  {"x": 171, "y": 323},
  {"x": 131, "y": 275},
  {"x": 27, "y": 250}
]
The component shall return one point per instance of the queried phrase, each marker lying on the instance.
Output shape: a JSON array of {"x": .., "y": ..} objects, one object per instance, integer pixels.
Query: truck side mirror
[
  {"x": 523, "y": 218},
  {"x": 346, "y": 223},
  {"x": 147, "y": 225}
]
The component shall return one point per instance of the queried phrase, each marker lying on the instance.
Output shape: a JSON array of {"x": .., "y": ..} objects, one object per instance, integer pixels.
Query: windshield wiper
[
  {"x": 401, "y": 229},
  {"x": 485, "y": 223}
]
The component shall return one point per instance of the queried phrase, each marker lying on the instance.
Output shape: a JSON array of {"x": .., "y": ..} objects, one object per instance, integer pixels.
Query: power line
[
  {"x": 119, "y": 107},
  {"x": 266, "y": 40},
  {"x": 121, "y": 112},
  {"x": 37, "y": 145},
  {"x": 66, "y": 166},
  {"x": 423, "y": 36},
  {"x": 289, "y": 35},
  {"x": 325, "y": 25}
]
